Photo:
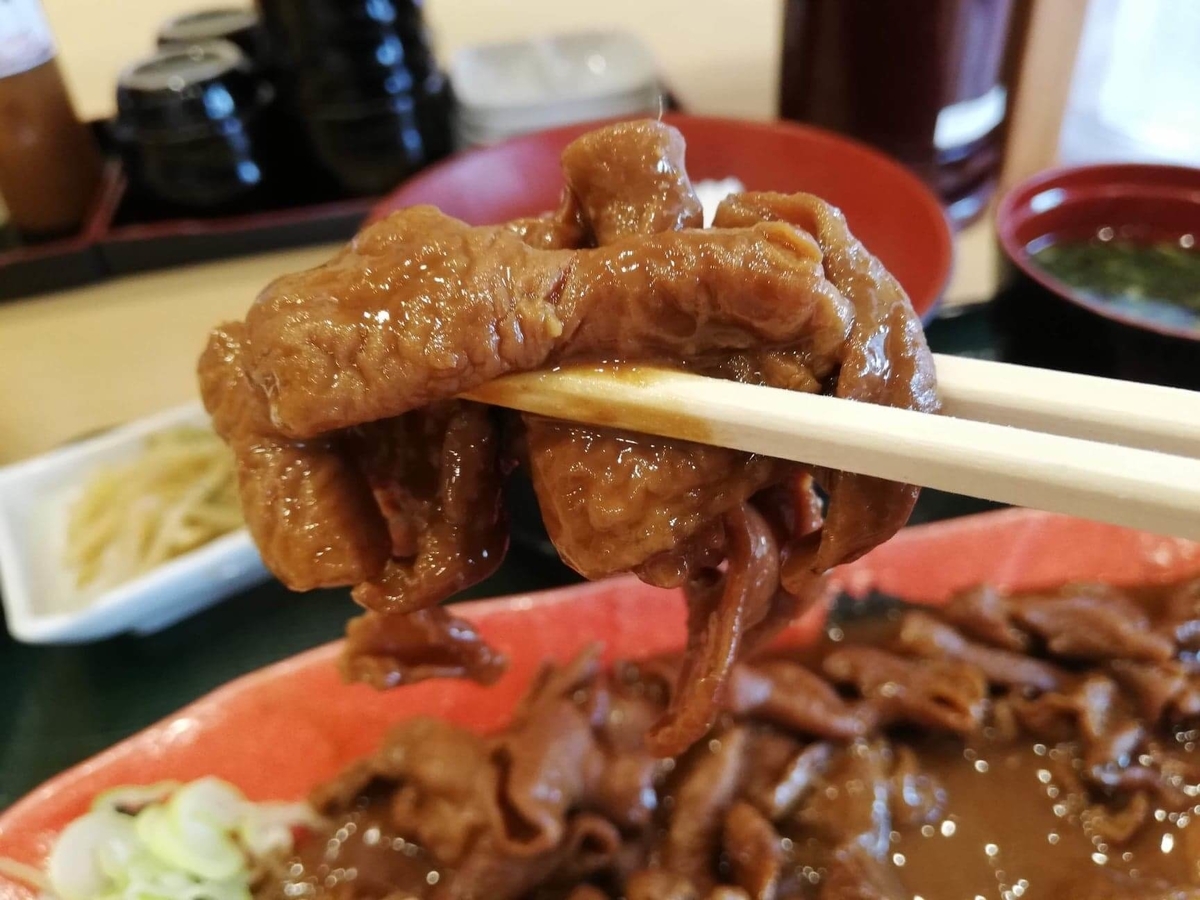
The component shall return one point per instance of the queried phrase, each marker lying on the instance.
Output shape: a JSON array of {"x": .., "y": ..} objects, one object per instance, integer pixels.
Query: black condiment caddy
[{"x": 285, "y": 135}]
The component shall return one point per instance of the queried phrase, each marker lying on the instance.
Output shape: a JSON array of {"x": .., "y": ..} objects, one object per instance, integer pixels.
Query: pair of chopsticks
[{"x": 1112, "y": 451}]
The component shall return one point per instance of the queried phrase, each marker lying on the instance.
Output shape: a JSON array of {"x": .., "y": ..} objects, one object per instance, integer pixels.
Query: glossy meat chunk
[
  {"x": 629, "y": 179},
  {"x": 421, "y": 307},
  {"x": 886, "y": 361},
  {"x": 615, "y": 500},
  {"x": 612, "y": 500},
  {"x": 389, "y": 650},
  {"x": 417, "y": 308},
  {"x": 623, "y": 180},
  {"x": 306, "y": 503},
  {"x": 436, "y": 477},
  {"x": 338, "y": 395}
]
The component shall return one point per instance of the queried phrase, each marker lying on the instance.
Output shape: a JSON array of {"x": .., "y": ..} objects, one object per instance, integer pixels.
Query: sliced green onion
[
  {"x": 73, "y": 867},
  {"x": 167, "y": 841},
  {"x": 208, "y": 800},
  {"x": 191, "y": 846}
]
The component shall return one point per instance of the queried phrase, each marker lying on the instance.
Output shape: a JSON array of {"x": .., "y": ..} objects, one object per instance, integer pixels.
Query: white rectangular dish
[{"x": 42, "y": 605}]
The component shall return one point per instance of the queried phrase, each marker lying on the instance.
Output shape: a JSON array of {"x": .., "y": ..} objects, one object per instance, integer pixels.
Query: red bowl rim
[
  {"x": 944, "y": 237},
  {"x": 1009, "y": 216}
]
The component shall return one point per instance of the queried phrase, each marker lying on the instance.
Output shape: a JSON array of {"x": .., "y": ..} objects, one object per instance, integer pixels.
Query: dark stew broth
[{"x": 1157, "y": 281}]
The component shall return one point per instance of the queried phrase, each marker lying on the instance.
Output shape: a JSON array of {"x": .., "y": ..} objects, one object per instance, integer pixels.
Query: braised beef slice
[
  {"x": 862, "y": 768},
  {"x": 359, "y": 467}
]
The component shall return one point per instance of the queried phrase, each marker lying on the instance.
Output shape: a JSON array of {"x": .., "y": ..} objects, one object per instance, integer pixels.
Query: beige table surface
[{"x": 78, "y": 361}]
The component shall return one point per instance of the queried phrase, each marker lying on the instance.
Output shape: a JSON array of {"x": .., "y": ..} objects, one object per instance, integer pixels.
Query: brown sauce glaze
[
  {"x": 862, "y": 767},
  {"x": 361, "y": 858},
  {"x": 1038, "y": 834}
]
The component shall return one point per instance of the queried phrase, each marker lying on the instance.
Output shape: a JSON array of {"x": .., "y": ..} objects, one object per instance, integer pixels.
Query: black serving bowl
[
  {"x": 299, "y": 30},
  {"x": 194, "y": 127},
  {"x": 1046, "y": 322},
  {"x": 372, "y": 146}
]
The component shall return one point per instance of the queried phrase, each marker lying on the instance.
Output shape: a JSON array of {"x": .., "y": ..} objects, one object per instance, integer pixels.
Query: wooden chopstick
[
  {"x": 1139, "y": 488},
  {"x": 1081, "y": 406}
]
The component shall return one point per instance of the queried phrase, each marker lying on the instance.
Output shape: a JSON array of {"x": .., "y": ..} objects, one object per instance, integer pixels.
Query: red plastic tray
[{"x": 280, "y": 730}]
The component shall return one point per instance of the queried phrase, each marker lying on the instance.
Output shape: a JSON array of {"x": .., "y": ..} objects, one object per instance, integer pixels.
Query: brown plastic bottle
[
  {"x": 49, "y": 163},
  {"x": 920, "y": 79}
]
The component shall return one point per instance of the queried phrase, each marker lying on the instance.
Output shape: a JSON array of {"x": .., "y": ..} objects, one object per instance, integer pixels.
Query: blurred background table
[{"x": 87, "y": 359}]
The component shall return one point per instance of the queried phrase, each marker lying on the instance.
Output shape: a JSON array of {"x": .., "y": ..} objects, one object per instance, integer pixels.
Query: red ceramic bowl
[
  {"x": 1049, "y": 323},
  {"x": 283, "y": 729},
  {"x": 890, "y": 210}
]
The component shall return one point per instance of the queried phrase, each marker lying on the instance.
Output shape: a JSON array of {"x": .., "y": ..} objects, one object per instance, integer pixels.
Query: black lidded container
[
  {"x": 193, "y": 129},
  {"x": 297, "y": 30},
  {"x": 238, "y": 25},
  {"x": 361, "y": 77}
]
